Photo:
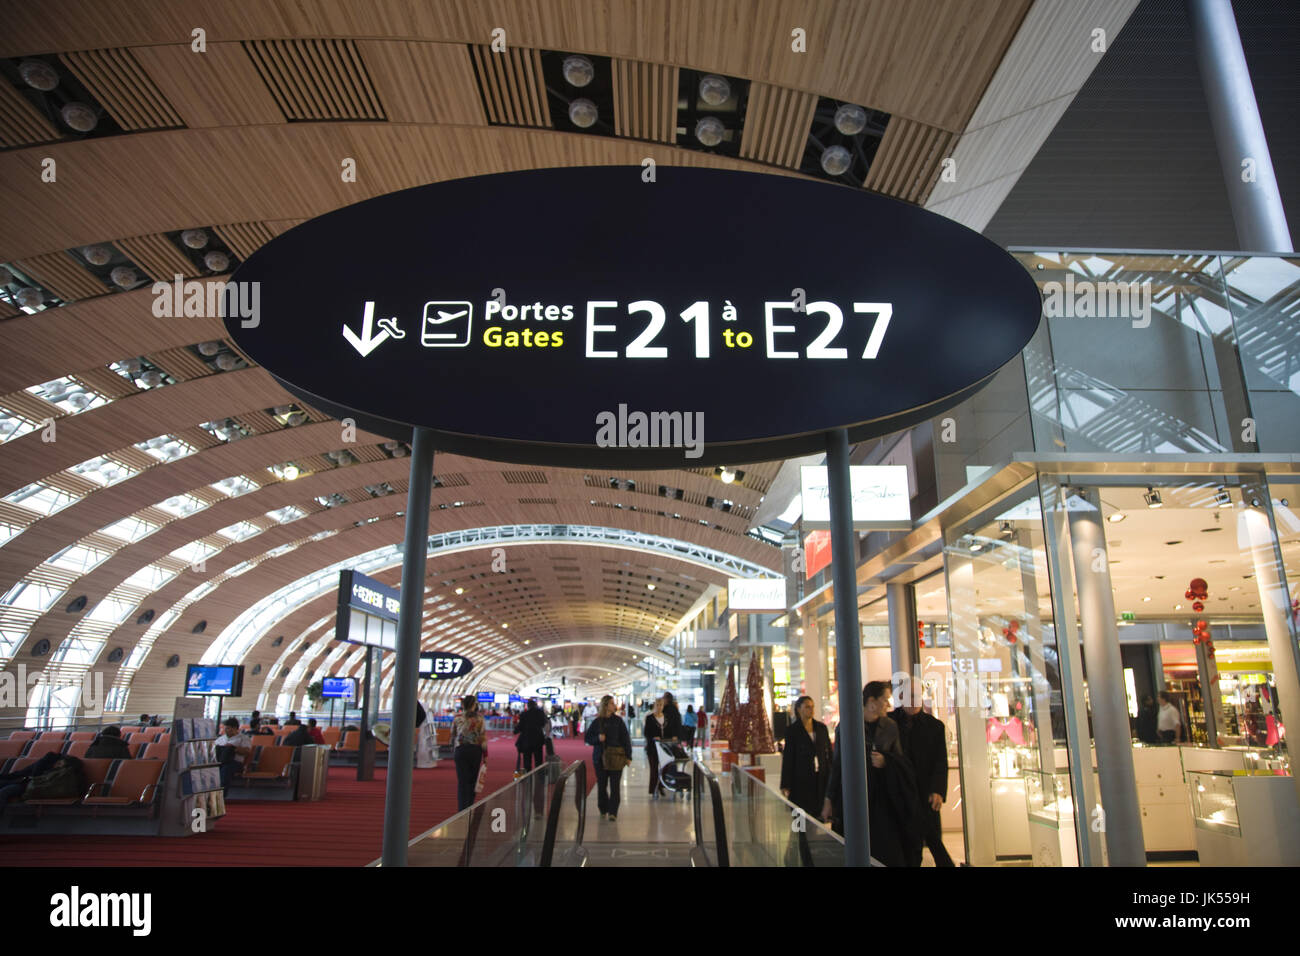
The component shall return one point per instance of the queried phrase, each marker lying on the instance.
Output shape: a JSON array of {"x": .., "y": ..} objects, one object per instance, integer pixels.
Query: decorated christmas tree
[
  {"x": 753, "y": 729},
  {"x": 728, "y": 712}
]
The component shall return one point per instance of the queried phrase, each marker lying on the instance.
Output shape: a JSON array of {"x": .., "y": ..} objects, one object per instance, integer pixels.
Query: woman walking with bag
[
  {"x": 611, "y": 749},
  {"x": 469, "y": 738}
]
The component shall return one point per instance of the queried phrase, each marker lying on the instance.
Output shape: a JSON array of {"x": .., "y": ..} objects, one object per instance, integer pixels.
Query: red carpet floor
[{"x": 344, "y": 829}]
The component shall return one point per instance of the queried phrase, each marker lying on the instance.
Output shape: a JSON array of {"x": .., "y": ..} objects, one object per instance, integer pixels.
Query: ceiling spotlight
[
  {"x": 124, "y": 277},
  {"x": 836, "y": 161},
  {"x": 1117, "y": 517},
  {"x": 977, "y": 546},
  {"x": 649, "y": 587},
  {"x": 194, "y": 238},
  {"x": 29, "y": 298},
  {"x": 583, "y": 113},
  {"x": 578, "y": 70},
  {"x": 850, "y": 120},
  {"x": 151, "y": 378},
  {"x": 132, "y": 366},
  {"x": 39, "y": 75},
  {"x": 291, "y": 472},
  {"x": 97, "y": 255},
  {"x": 217, "y": 261},
  {"x": 709, "y": 131},
  {"x": 1006, "y": 531},
  {"x": 79, "y": 116},
  {"x": 209, "y": 349},
  {"x": 1153, "y": 498},
  {"x": 1223, "y": 498},
  {"x": 279, "y": 411},
  {"x": 505, "y": 625},
  {"x": 715, "y": 90},
  {"x": 1254, "y": 502},
  {"x": 226, "y": 362},
  {"x": 726, "y": 474},
  {"x": 799, "y": 631},
  {"x": 399, "y": 452},
  {"x": 460, "y": 590},
  {"x": 297, "y": 418}
]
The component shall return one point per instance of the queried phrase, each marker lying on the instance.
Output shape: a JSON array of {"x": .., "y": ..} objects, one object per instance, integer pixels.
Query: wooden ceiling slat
[
  {"x": 31, "y": 407},
  {"x": 125, "y": 90},
  {"x": 20, "y": 122},
  {"x": 244, "y": 238},
  {"x": 220, "y": 87},
  {"x": 321, "y": 72},
  {"x": 488, "y": 87},
  {"x": 157, "y": 256},
  {"x": 63, "y": 276},
  {"x": 106, "y": 382},
  {"x": 181, "y": 364},
  {"x": 423, "y": 82},
  {"x": 359, "y": 76}
]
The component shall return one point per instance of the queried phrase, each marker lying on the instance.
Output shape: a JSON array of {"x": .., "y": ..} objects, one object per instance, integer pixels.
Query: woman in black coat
[{"x": 806, "y": 760}]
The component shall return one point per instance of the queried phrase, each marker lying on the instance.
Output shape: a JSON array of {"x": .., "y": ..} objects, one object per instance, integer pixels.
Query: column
[
  {"x": 901, "y": 600},
  {"x": 1118, "y": 781},
  {"x": 1238, "y": 132},
  {"x": 401, "y": 749}
]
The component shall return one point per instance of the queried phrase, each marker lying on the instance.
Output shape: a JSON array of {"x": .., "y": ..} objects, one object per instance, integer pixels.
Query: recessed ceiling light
[
  {"x": 460, "y": 590},
  {"x": 1117, "y": 517},
  {"x": 505, "y": 625},
  {"x": 1146, "y": 599}
]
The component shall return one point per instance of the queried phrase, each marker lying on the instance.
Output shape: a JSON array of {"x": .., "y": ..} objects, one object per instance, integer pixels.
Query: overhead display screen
[
  {"x": 367, "y": 612},
  {"x": 339, "y": 688},
  {"x": 223, "y": 680},
  {"x": 705, "y": 317}
]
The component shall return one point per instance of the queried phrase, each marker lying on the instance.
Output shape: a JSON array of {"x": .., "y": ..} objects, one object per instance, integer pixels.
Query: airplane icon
[{"x": 446, "y": 324}]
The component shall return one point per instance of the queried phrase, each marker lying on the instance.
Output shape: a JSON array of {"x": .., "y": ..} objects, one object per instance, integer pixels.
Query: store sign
[
  {"x": 440, "y": 665},
  {"x": 579, "y": 316},
  {"x": 880, "y": 498},
  {"x": 548, "y": 691},
  {"x": 817, "y": 552},
  {"x": 756, "y": 594}
]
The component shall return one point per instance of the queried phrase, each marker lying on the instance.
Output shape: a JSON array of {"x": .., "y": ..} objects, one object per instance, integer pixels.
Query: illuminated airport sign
[
  {"x": 440, "y": 665},
  {"x": 367, "y": 611},
  {"x": 584, "y": 316}
]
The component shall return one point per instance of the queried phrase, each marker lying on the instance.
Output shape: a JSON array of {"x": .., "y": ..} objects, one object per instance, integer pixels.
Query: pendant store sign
[
  {"x": 756, "y": 594},
  {"x": 880, "y": 498},
  {"x": 582, "y": 316},
  {"x": 442, "y": 665}
]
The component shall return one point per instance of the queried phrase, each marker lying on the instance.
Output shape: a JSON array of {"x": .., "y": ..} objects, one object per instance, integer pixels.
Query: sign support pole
[
  {"x": 401, "y": 749},
  {"x": 848, "y": 652}
]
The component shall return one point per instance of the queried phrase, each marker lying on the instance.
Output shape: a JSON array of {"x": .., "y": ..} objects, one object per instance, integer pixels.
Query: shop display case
[
  {"x": 1162, "y": 799},
  {"x": 1244, "y": 819},
  {"x": 1050, "y": 811}
]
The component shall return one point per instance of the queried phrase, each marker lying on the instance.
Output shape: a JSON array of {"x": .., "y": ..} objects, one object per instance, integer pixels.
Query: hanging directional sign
[
  {"x": 602, "y": 316},
  {"x": 442, "y": 665}
]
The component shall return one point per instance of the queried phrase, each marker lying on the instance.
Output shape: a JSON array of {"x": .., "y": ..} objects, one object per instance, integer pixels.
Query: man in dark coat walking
[
  {"x": 892, "y": 802},
  {"x": 925, "y": 743}
]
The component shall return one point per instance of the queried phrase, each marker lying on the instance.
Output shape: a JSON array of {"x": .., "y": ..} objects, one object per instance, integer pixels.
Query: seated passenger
[
  {"x": 109, "y": 744},
  {"x": 316, "y": 736},
  {"x": 233, "y": 748},
  {"x": 301, "y": 735},
  {"x": 65, "y": 779}
]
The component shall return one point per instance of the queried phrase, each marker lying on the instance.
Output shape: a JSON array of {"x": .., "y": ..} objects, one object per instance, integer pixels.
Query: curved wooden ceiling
[{"x": 246, "y": 139}]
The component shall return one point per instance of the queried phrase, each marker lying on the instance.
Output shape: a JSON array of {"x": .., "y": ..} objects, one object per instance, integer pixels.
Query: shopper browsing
[
  {"x": 1170, "y": 723},
  {"x": 654, "y": 729}
]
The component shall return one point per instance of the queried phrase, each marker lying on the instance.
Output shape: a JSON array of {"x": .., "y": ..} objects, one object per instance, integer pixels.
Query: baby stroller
[{"x": 671, "y": 760}]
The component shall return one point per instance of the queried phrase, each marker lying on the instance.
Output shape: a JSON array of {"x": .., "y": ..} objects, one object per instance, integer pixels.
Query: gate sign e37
[{"x": 584, "y": 316}]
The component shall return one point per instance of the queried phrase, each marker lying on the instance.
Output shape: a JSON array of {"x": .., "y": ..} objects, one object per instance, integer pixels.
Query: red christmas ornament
[
  {"x": 1198, "y": 607},
  {"x": 1198, "y": 584},
  {"x": 1187, "y": 594}
]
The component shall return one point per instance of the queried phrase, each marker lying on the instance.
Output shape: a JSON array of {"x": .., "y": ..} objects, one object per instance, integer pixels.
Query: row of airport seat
[
  {"x": 31, "y": 750},
  {"x": 109, "y": 783}
]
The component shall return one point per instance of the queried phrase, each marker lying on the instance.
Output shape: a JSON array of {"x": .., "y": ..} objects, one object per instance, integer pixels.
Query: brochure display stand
[{"x": 193, "y": 798}]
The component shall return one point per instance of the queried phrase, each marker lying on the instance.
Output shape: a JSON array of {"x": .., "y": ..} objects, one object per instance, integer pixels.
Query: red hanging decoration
[{"x": 1198, "y": 591}]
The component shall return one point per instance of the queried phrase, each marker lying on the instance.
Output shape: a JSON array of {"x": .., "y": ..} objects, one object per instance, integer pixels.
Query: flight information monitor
[{"x": 219, "y": 680}]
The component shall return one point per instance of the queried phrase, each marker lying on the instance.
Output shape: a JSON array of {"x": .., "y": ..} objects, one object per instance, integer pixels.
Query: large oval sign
[
  {"x": 443, "y": 665},
  {"x": 584, "y": 316}
]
